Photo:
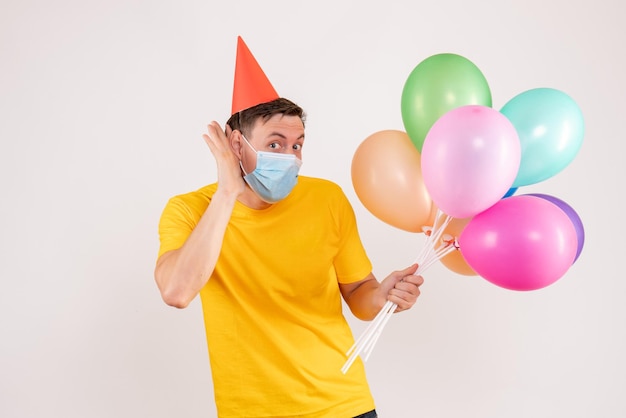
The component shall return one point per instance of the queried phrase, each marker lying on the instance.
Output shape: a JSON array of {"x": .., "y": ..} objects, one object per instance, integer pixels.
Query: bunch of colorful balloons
[
  {"x": 461, "y": 158},
  {"x": 455, "y": 171}
]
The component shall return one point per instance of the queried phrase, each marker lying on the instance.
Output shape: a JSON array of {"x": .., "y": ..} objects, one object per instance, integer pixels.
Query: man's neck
[{"x": 251, "y": 200}]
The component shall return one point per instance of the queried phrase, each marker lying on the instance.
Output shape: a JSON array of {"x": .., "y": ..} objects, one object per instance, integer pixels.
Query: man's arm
[
  {"x": 181, "y": 273},
  {"x": 367, "y": 297}
]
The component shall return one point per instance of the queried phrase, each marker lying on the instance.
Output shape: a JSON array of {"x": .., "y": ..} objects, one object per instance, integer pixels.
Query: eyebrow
[{"x": 301, "y": 137}]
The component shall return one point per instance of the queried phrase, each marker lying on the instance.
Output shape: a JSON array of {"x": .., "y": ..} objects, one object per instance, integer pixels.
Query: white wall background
[{"x": 102, "y": 109}]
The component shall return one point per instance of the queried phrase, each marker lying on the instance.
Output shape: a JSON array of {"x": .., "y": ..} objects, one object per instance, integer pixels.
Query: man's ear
[{"x": 235, "y": 140}]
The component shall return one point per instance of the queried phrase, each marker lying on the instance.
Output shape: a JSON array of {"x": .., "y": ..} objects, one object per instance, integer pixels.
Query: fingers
[
  {"x": 210, "y": 136},
  {"x": 215, "y": 129},
  {"x": 408, "y": 276},
  {"x": 218, "y": 141},
  {"x": 407, "y": 288},
  {"x": 229, "y": 174},
  {"x": 214, "y": 133},
  {"x": 404, "y": 296},
  {"x": 411, "y": 279},
  {"x": 409, "y": 270}
]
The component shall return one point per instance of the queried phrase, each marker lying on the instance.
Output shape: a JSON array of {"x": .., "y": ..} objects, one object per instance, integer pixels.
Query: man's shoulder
[
  {"x": 319, "y": 189},
  {"x": 198, "y": 199},
  {"x": 320, "y": 183},
  {"x": 202, "y": 192}
]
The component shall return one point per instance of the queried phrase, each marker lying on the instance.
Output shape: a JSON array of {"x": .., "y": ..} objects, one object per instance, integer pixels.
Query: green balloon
[{"x": 437, "y": 85}]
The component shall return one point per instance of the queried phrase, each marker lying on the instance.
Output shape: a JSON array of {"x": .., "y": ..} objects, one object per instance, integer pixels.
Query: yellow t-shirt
[{"x": 272, "y": 308}]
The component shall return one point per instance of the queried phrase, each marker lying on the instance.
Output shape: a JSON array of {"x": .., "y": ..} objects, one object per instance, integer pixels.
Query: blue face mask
[{"x": 275, "y": 174}]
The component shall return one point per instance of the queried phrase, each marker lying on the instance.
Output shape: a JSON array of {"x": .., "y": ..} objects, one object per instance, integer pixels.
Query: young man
[{"x": 271, "y": 254}]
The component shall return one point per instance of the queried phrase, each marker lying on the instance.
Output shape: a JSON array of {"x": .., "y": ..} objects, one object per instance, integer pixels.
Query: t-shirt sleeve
[
  {"x": 351, "y": 263},
  {"x": 175, "y": 225}
]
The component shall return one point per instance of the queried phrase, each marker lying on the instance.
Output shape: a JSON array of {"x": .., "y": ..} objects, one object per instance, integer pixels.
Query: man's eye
[
  {"x": 274, "y": 145},
  {"x": 297, "y": 147}
]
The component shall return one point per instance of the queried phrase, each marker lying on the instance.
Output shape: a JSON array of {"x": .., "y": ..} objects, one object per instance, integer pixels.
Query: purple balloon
[
  {"x": 520, "y": 243},
  {"x": 573, "y": 216}
]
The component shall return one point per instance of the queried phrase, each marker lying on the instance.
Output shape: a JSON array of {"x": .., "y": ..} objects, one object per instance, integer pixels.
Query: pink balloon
[
  {"x": 520, "y": 243},
  {"x": 470, "y": 159}
]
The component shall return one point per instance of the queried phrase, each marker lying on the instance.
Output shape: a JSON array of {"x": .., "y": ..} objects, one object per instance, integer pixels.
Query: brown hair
[{"x": 244, "y": 120}]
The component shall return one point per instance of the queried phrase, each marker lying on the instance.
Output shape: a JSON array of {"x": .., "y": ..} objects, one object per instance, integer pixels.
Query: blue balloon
[
  {"x": 510, "y": 192},
  {"x": 550, "y": 127}
]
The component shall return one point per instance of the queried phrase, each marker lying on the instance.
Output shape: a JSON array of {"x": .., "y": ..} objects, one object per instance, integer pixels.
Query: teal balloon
[
  {"x": 550, "y": 127},
  {"x": 437, "y": 85}
]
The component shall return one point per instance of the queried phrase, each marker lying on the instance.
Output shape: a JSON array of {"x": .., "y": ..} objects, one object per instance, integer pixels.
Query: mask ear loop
[
  {"x": 242, "y": 169},
  {"x": 250, "y": 145},
  {"x": 247, "y": 142}
]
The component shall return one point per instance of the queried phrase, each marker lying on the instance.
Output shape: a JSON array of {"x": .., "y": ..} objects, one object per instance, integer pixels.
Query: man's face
[{"x": 280, "y": 134}]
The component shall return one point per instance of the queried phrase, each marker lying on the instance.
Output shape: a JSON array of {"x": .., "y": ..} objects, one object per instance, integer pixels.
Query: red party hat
[{"x": 251, "y": 87}]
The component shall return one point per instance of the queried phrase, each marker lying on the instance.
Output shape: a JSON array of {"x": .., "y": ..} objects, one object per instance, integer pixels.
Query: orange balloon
[
  {"x": 387, "y": 178},
  {"x": 430, "y": 221},
  {"x": 455, "y": 261}
]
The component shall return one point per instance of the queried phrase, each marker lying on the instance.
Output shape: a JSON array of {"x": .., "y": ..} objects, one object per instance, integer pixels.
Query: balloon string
[
  {"x": 428, "y": 255},
  {"x": 441, "y": 252},
  {"x": 362, "y": 340}
]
